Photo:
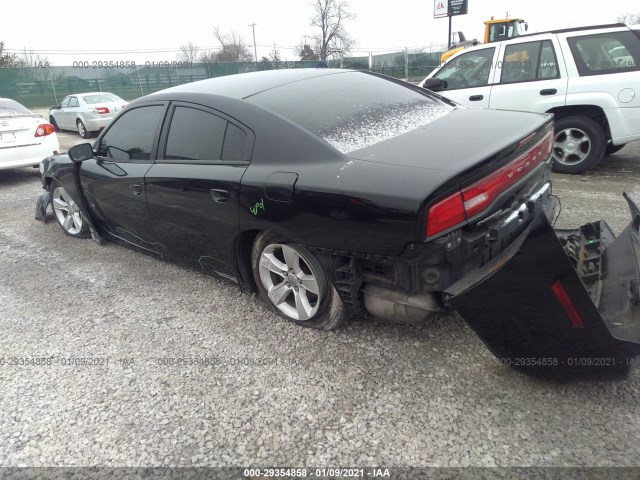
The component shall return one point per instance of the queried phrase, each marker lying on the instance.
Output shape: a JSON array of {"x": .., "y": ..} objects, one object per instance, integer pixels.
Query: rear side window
[
  {"x": 198, "y": 135},
  {"x": 528, "y": 61},
  {"x": 195, "y": 135},
  {"x": 605, "y": 53},
  {"x": 132, "y": 135},
  {"x": 234, "y": 143}
]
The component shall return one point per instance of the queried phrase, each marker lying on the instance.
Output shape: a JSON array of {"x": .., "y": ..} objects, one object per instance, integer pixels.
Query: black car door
[
  {"x": 113, "y": 181},
  {"x": 193, "y": 186}
]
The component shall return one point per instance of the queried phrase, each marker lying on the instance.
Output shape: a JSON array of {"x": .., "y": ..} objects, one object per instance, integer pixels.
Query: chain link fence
[{"x": 43, "y": 86}]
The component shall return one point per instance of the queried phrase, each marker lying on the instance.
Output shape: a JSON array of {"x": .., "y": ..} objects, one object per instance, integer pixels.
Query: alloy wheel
[
  {"x": 290, "y": 280},
  {"x": 571, "y": 146},
  {"x": 82, "y": 131},
  {"x": 67, "y": 211}
]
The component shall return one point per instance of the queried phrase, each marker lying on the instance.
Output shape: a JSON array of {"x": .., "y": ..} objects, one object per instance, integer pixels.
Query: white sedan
[
  {"x": 87, "y": 113},
  {"x": 25, "y": 138}
]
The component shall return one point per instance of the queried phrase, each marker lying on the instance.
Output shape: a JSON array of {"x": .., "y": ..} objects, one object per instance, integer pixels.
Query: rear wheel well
[
  {"x": 244, "y": 244},
  {"x": 590, "y": 111}
]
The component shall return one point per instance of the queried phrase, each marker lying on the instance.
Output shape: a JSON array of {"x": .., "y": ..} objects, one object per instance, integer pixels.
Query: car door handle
[
  {"x": 548, "y": 91},
  {"x": 136, "y": 189},
  {"x": 476, "y": 98},
  {"x": 218, "y": 195}
]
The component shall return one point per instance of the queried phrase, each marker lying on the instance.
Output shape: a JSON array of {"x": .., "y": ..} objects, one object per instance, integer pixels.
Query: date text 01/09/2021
[{"x": 318, "y": 472}]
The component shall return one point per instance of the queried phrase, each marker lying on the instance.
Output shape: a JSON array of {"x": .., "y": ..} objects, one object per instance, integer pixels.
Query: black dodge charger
[{"x": 337, "y": 193}]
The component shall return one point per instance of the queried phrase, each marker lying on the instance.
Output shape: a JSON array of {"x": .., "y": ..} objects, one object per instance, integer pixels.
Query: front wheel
[
  {"x": 67, "y": 212},
  {"x": 578, "y": 146},
  {"x": 293, "y": 283}
]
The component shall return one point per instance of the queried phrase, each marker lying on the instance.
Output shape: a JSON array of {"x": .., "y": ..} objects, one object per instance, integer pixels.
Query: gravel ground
[{"x": 271, "y": 393}]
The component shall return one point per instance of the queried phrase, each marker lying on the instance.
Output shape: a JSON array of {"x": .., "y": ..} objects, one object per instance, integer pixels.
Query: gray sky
[{"x": 67, "y": 31}]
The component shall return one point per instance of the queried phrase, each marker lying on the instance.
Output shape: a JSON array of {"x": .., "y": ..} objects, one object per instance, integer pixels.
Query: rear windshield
[
  {"x": 11, "y": 107},
  {"x": 352, "y": 110},
  {"x": 90, "y": 99}
]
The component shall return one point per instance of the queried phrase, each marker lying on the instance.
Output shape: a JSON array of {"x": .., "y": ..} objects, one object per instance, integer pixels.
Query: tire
[
  {"x": 303, "y": 295},
  {"x": 52, "y": 121},
  {"x": 67, "y": 213},
  {"x": 82, "y": 130},
  {"x": 611, "y": 148},
  {"x": 578, "y": 146}
]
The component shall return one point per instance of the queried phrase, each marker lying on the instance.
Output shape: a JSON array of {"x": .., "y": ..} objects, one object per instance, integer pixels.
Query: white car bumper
[
  {"x": 28, "y": 155},
  {"x": 95, "y": 124}
]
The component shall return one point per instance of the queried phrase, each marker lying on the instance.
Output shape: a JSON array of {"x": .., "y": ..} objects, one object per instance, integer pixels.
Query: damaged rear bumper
[{"x": 559, "y": 301}]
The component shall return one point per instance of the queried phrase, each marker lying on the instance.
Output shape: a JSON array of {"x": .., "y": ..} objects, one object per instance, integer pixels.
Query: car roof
[
  {"x": 89, "y": 93},
  {"x": 244, "y": 85}
]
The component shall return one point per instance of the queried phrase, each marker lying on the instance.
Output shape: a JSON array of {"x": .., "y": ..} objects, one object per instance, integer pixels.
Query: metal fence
[{"x": 46, "y": 86}]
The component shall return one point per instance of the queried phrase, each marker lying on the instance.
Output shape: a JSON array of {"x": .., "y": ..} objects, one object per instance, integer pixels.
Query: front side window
[
  {"x": 605, "y": 53},
  {"x": 132, "y": 135},
  {"x": 65, "y": 102},
  {"x": 73, "y": 102},
  {"x": 468, "y": 70}
]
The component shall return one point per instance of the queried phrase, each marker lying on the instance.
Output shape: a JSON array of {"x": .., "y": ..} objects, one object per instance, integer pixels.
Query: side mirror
[
  {"x": 80, "y": 153},
  {"x": 55, "y": 107},
  {"x": 434, "y": 84}
]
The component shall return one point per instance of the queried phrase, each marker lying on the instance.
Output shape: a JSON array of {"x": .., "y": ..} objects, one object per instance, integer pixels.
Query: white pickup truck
[{"x": 589, "y": 78}]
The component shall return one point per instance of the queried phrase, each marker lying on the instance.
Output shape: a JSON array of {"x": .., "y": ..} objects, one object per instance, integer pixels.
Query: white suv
[{"x": 589, "y": 78}]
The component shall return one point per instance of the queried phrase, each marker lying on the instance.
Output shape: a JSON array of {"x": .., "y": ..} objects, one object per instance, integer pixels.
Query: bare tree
[
  {"x": 208, "y": 56},
  {"x": 189, "y": 53},
  {"x": 274, "y": 55},
  {"x": 630, "y": 18},
  {"x": 305, "y": 52},
  {"x": 329, "y": 16},
  {"x": 7, "y": 59},
  {"x": 30, "y": 59},
  {"x": 233, "y": 47}
]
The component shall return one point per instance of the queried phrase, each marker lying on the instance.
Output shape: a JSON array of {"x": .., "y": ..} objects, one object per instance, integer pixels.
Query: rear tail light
[
  {"x": 446, "y": 213},
  {"x": 44, "y": 130},
  {"x": 102, "y": 110},
  {"x": 472, "y": 200}
]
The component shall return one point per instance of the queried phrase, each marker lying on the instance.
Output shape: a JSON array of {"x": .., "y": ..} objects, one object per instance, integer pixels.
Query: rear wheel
[
  {"x": 578, "y": 146},
  {"x": 67, "y": 212},
  {"x": 293, "y": 283},
  {"x": 82, "y": 130}
]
